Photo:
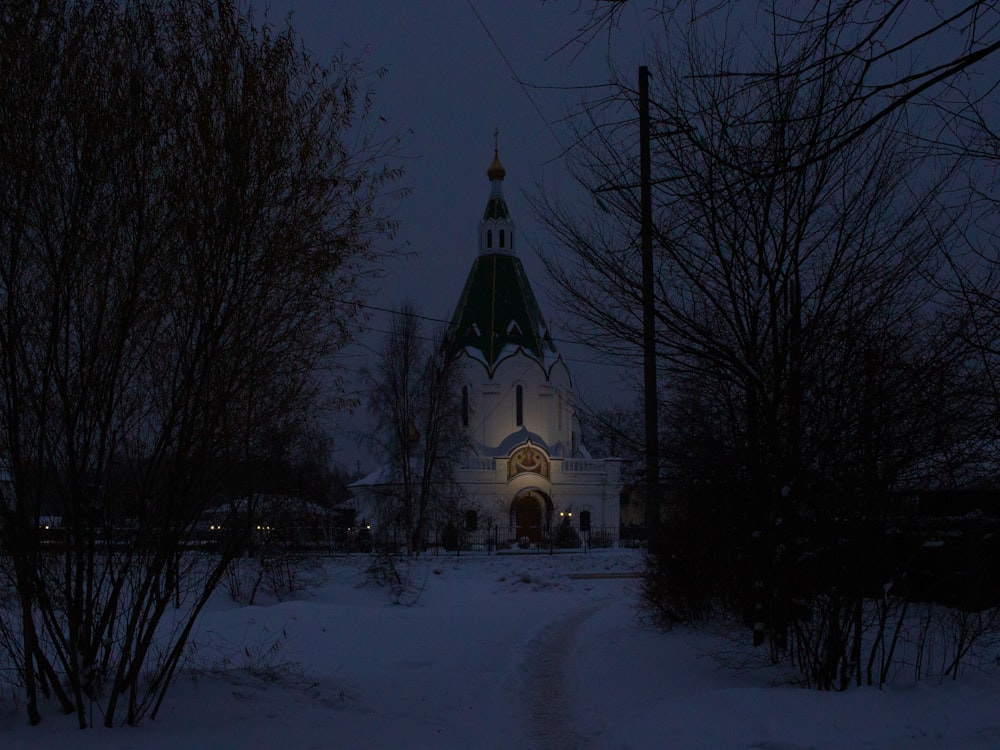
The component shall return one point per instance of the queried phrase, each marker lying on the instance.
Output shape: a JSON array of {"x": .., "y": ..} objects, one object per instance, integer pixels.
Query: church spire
[
  {"x": 496, "y": 230},
  {"x": 497, "y": 315}
]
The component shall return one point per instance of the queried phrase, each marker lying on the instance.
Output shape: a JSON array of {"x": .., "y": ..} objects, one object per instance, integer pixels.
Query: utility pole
[{"x": 648, "y": 321}]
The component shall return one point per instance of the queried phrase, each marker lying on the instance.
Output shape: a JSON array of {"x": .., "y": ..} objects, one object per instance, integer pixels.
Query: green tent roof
[{"x": 498, "y": 316}]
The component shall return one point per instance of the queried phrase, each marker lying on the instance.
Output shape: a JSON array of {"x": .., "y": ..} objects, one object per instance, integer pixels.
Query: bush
[
  {"x": 450, "y": 538},
  {"x": 404, "y": 576},
  {"x": 281, "y": 576},
  {"x": 600, "y": 539},
  {"x": 566, "y": 537}
]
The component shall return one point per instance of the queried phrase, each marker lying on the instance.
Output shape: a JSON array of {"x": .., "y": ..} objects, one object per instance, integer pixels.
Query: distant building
[{"x": 528, "y": 469}]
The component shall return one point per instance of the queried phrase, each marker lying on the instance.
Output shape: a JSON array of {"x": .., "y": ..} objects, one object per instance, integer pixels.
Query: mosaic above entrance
[{"x": 528, "y": 459}]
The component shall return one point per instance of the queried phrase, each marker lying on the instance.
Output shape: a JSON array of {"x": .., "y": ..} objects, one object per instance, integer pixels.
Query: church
[
  {"x": 527, "y": 468},
  {"x": 526, "y": 473}
]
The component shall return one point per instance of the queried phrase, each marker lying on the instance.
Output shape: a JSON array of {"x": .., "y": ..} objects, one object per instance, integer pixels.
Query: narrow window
[
  {"x": 465, "y": 406},
  {"x": 489, "y": 238},
  {"x": 501, "y": 238},
  {"x": 519, "y": 405},
  {"x": 471, "y": 521},
  {"x": 585, "y": 520}
]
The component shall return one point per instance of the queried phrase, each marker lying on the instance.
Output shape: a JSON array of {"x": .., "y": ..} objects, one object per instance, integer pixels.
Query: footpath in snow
[{"x": 502, "y": 651}]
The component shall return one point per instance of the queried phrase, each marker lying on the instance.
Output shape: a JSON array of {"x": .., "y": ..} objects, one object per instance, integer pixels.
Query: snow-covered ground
[{"x": 519, "y": 651}]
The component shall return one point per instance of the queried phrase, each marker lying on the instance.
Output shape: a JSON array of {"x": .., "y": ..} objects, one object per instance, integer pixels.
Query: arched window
[
  {"x": 585, "y": 520},
  {"x": 519, "y": 405},
  {"x": 465, "y": 406},
  {"x": 489, "y": 238},
  {"x": 501, "y": 238}
]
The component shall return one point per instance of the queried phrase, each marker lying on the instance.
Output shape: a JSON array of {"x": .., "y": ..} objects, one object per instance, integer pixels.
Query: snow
[{"x": 504, "y": 651}]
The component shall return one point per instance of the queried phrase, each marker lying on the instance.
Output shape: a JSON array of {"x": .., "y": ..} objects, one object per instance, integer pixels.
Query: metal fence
[
  {"x": 361, "y": 539},
  {"x": 497, "y": 540}
]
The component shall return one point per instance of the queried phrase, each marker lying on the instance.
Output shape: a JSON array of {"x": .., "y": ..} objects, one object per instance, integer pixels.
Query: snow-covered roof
[
  {"x": 381, "y": 475},
  {"x": 518, "y": 438}
]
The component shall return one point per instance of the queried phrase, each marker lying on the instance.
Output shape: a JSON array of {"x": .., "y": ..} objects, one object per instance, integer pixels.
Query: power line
[
  {"x": 524, "y": 88},
  {"x": 495, "y": 331},
  {"x": 513, "y": 72},
  {"x": 570, "y": 360}
]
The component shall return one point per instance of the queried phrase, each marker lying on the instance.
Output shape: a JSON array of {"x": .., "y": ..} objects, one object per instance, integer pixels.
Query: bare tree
[
  {"x": 974, "y": 271},
  {"x": 615, "y": 430},
  {"x": 416, "y": 402},
  {"x": 904, "y": 54},
  {"x": 188, "y": 208},
  {"x": 808, "y": 357}
]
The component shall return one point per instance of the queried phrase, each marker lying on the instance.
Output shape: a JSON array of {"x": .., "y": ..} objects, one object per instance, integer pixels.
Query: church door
[{"x": 528, "y": 517}]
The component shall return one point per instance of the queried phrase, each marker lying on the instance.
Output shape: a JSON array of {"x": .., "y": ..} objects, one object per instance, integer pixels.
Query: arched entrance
[{"x": 530, "y": 513}]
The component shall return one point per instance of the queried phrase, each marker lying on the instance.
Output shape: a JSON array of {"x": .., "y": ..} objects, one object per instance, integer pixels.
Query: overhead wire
[
  {"x": 513, "y": 72},
  {"x": 496, "y": 331},
  {"x": 563, "y": 148}
]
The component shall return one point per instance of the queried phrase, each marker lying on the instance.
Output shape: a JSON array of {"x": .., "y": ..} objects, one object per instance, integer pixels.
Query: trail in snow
[{"x": 546, "y": 701}]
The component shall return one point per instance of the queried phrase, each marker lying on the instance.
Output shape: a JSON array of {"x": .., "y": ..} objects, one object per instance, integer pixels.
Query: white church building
[
  {"x": 526, "y": 471},
  {"x": 527, "y": 468}
]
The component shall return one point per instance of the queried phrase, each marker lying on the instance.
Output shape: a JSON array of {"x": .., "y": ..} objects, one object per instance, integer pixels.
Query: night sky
[{"x": 449, "y": 86}]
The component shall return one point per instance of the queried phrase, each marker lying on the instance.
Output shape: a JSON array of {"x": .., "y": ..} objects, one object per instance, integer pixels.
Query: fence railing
[
  {"x": 583, "y": 466},
  {"x": 569, "y": 465},
  {"x": 478, "y": 463},
  {"x": 362, "y": 539},
  {"x": 502, "y": 540}
]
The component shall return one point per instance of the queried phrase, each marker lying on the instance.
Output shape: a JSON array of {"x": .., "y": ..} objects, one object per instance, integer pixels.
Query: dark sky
[
  {"x": 449, "y": 87},
  {"x": 452, "y": 67}
]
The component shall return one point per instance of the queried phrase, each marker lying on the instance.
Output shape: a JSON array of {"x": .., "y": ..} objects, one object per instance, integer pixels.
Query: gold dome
[{"x": 496, "y": 170}]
